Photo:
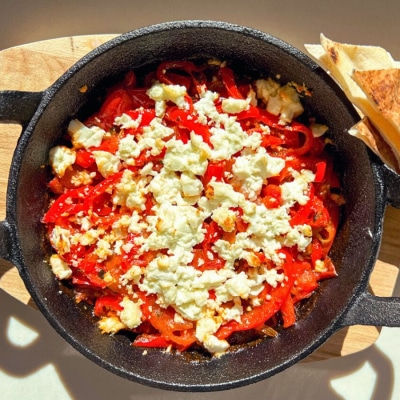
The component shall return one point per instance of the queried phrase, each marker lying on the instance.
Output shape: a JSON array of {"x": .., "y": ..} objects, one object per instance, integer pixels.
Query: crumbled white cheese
[
  {"x": 81, "y": 177},
  {"x": 137, "y": 224},
  {"x": 205, "y": 330},
  {"x": 174, "y": 226},
  {"x": 225, "y": 218},
  {"x": 206, "y": 108},
  {"x": 61, "y": 157},
  {"x": 235, "y": 106},
  {"x": 120, "y": 227},
  {"x": 166, "y": 187},
  {"x": 221, "y": 193},
  {"x": 126, "y": 122},
  {"x": 131, "y": 314},
  {"x": 227, "y": 138},
  {"x": 87, "y": 238},
  {"x": 110, "y": 325},
  {"x": 128, "y": 149},
  {"x": 253, "y": 168},
  {"x": 190, "y": 157},
  {"x": 59, "y": 267},
  {"x": 283, "y": 101},
  {"x": 130, "y": 192},
  {"x": 300, "y": 236},
  {"x": 320, "y": 266},
  {"x": 133, "y": 275},
  {"x": 103, "y": 249},
  {"x": 59, "y": 238},
  {"x": 161, "y": 93},
  {"x": 107, "y": 163},
  {"x": 153, "y": 136},
  {"x": 82, "y": 136},
  {"x": 182, "y": 286},
  {"x": 191, "y": 185},
  {"x": 297, "y": 190}
]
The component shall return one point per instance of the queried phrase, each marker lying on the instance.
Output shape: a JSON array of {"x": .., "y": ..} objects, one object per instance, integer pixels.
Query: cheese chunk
[
  {"x": 59, "y": 267},
  {"x": 82, "y": 136},
  {"x": 61, "y": 157}
]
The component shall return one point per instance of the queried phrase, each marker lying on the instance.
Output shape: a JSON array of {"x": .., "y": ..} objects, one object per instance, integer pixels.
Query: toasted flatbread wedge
[
  {"x": 344, "y": 62},
  {"x": 382, "y": 88},
  {"x": 341, "y": 59},
  {"x": 367, "y": 133}
]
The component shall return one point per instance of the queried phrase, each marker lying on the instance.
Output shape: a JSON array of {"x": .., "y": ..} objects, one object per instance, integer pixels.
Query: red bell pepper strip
[
  {"x": 214, "y": 170},
  {"x": 288, "y": 312},
  {"x": 162, "y": 319},
  {"x": 271, "y": 141},
  {"x": 184, "y": 118},
  {"x": 260, "y": 314},
  {"x": 151, "y": 340},
  {"x": 250, "y": 112},
  {"x": 109, "y": 144},
  {"x": 55, "y": 186},
  {"x": 308, "y": 139},
  {"x": 268, "y": 119},
  {"x": 116, "y": 103},
  {"x": 84, "y": 158},
  {"x": 272, "y": 121},
  {"x": 272, "y": 196},
  {"x": 228, "y": 79},
  {"x": 329, "y": 272},
  {"x": 100, "y": 189},
  {"x": 302, "y": 215},
  {"x": 241, "y": 224},
  {"x": 107, "y": 302},
  {"x": 129, "y": 80},
  {"x": 164, "y": 74},
  {"x": 146, "y": 115},
  {"x": 66, "y": 203},
  {"x": 306, "y": 283},
  {"x": 320, "y": 173},
  {"x": 88, "y": 281},
  {"x": 316, "y": 251}
]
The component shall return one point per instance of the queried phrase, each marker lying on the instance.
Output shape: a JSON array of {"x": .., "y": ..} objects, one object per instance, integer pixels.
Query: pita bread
[
  {"x": 366, "y": 132},
  {"x": 341, "y": 59},
  {"x": 382, "y": 88},
  {"x": 344, "y": 62}
]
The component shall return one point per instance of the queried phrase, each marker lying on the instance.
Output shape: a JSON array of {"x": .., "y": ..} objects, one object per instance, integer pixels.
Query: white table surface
[{"x": 35, "y": 363}]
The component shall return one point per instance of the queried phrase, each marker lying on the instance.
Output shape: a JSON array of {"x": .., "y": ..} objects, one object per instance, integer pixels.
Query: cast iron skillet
[{"x": 368, "y": 188}]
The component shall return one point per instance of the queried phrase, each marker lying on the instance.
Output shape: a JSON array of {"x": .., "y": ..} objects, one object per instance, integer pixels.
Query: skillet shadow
[{"x": 83, "y": 379}]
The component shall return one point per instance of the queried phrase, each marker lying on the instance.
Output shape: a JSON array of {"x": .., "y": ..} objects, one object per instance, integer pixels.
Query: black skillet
[{"x": 368, "y": 187}]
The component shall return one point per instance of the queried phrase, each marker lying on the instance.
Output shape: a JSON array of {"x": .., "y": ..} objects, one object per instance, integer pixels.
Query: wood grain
[{"x": 35, "y": 66}]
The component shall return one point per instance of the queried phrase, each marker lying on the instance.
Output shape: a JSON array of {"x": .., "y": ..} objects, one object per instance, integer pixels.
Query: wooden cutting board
[{"x": 35, "y": 66}]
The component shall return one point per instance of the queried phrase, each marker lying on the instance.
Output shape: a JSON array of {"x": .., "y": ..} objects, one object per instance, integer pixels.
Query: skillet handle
[
  {"x": 392, "y": 185},
  {"x": 6, "y": 250},
  {"x": 18, "y": 106},
  {"x": 368, "y": 309},
  {"x": 15, "y": 107},
  {"x": 374, "y": 311}
]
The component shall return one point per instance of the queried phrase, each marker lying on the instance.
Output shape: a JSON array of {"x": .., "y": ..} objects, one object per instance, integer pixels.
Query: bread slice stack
[{"x": 370, "y": 78}]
